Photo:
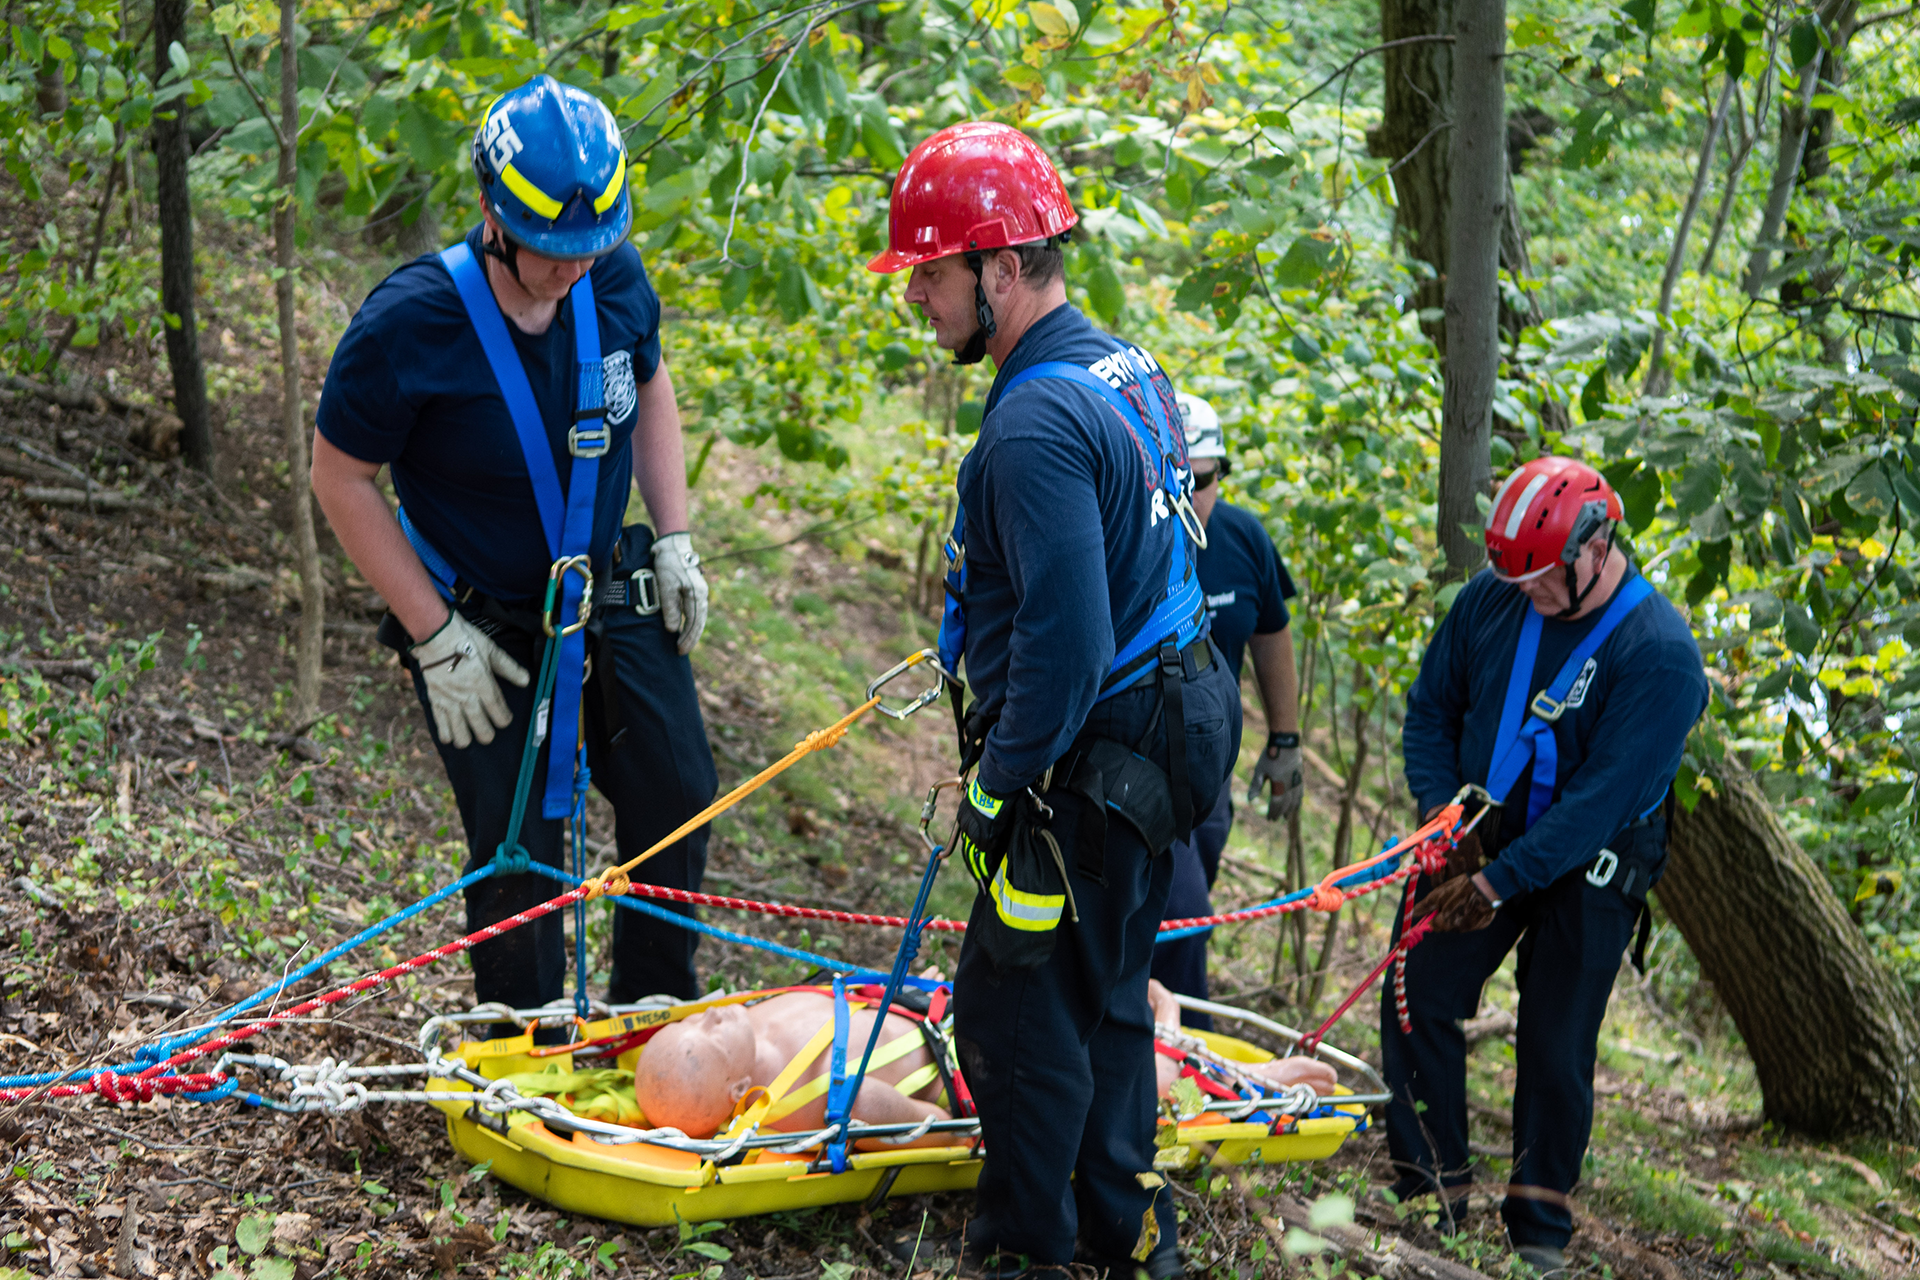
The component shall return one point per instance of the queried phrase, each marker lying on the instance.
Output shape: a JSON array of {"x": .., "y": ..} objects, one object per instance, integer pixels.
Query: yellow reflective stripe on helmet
[
  {"x": 605, "y": 199},
  {"x": 1031, "y": 912},
  {"x": 533, "y": 197}
]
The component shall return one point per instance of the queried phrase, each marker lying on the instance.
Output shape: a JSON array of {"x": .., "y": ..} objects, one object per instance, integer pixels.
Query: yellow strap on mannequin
[
  {"x": 893, "y": 1050},
  {"x": 784, "y": 1081}
]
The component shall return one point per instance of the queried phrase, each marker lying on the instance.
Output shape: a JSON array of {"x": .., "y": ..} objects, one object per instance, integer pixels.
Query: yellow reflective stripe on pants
[{"x": 1032, "y": 912}]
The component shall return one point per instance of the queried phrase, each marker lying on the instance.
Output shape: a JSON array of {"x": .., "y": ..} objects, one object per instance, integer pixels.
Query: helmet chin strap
[
  {"x": 1576, "y": 597},
  {"x": 975, "y": 349},
  {"x": 509, "y": 255}
]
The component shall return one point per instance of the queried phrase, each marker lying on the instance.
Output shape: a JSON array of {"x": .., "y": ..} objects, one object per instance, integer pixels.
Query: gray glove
[
  {"x": 459, "y": 663},
  {"x": 1279, "y": 765},
  {"x": 683, "y": 588}
]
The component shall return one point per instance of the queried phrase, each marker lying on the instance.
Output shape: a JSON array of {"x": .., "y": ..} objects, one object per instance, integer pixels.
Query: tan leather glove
[{"x": 459, "y": 663}]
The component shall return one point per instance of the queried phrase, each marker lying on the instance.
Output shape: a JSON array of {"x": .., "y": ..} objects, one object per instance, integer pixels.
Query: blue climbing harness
[
  {"x": 1182, "y": 611},
  {"x": 566, "y": 519},
  {"x": 1526, "y": 726}
]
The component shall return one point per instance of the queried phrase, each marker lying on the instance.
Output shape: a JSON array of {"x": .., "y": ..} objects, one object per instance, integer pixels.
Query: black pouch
[
  {"x": 1111, "y": 777},
  {"x": 1026, "y": 897}
]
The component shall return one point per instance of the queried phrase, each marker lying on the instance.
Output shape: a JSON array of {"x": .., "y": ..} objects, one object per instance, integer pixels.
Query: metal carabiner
[
  {"x": 927, "y": 810},
  {"x": 930, "y": 657},
  {"x": 1190, "y": 519},
  {"x": 561, "y": 567}
]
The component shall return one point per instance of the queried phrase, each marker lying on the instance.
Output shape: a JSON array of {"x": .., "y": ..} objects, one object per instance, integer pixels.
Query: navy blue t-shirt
[
  {"x": 1246, "y": 583},
  {"x": 1065, "y": 549},
  {"x": 410, "y": 386},
  {"x": 1619, "y": 741}
]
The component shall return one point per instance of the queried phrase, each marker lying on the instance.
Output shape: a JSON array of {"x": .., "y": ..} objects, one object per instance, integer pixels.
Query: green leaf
[
  {"x": 254, "y": 1232},
  {"x": 1869, "y": 494},
  {"x": 425, "y": 136},
  {"x": 1639, "y": 494},
  {"x": 968, "y": 417},
  {"x": 1050, "y": 20},
  {"x": 1105, "y": 292},
  {"x": 273, "y": 1269},
  {"x": 1625, "y": 349},
  {"x": 708, "y": 1249},
  {"x": 60, "y": 50},
  {"x": 1831, "y": 475},
  {"x": 1764, "y": 609},
  {"x": 879, "y": 136},
  {"x": 1304, "y": 348},
  {"x": 895, "y": 356},
  {"x": 796, "y": 294},
  {"x": 1801, "y": 631},
  {"x": 1642, "y": 12},
  {"x": 1803, "y": 42},
  {"x": 176, "y": 57},
  {"x": 1304, "y": 262},
  {"x": 1904, "y": 488},
  {"x": 1907, "y": 111},
  {"x": 1593, "y": 396},
  {"x": 1882, "y": 795},
  {"x": 1698, "y": 486}
]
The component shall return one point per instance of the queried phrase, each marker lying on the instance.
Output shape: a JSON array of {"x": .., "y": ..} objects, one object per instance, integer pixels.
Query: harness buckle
[
  {"x": 1546, "y": 708},
  {"x": 561, "y": 567},
  {"x": 593, "y": 442},
  {"x": 1600, "y": 874},
  {"x": 646, "y": 592}
]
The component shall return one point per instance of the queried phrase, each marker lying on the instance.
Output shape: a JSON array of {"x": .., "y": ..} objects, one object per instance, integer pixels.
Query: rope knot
[
  {"x": 1432, "y": 856},
  {"x": 615, "y": 883},
  {"x": 122, "y": 1088},
  {"x": 1326, "y": 897},
  {"x": 511, "y": 862},
  {"x": 821, "y": 739}
]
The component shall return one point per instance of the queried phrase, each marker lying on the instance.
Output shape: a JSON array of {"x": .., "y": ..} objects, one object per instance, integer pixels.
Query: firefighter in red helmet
[
  {"x": 1101, "y": 723},
  {"x": 1563, "y": 683}
]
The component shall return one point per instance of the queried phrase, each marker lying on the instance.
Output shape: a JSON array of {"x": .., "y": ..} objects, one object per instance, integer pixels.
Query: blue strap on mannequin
[
  {"x": 567, "y": 520},
  {"x": 1526, "y": 734},
  {"x": 839, "y": 1095}
]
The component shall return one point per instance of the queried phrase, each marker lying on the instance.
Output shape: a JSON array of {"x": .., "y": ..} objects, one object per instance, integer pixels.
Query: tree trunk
[
  {"x": 1477, "y": 200},
  {"x": 1416, "y": 95},
  {"x": 1834, "y": 1037},
  {"x": 176, "y": 248},
  {"x": 286, "y": 215}
]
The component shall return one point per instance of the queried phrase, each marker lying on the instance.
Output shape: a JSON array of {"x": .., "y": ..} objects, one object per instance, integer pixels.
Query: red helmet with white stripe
[{"x": 1544, "y": 513}]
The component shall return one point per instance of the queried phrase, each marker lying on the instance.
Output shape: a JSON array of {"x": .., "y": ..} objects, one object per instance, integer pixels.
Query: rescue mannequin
[{"x": 695, "y": 1072}]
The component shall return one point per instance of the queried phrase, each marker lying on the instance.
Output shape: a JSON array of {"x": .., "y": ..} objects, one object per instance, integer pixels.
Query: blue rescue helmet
[{"x": 554, "y": 169}]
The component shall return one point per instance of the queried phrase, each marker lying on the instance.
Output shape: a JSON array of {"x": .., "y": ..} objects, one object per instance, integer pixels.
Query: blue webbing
[
  {"x": 838, "y": 1101},
  {"x": 1378, "y": 871},
  {"x": 566, "y": 520}
]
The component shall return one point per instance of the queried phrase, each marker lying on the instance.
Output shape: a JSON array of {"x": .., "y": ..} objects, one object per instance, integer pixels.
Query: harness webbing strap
[
  {"x": 892, "y": 1051},
  {"x": 1526, "y": 724},
  {"x": 566, "y": 518},
  {"x": 839, "y": 1096}
]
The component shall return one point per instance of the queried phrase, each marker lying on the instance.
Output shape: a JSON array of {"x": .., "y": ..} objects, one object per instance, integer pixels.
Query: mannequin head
[{"x": 693, "y": 1074}]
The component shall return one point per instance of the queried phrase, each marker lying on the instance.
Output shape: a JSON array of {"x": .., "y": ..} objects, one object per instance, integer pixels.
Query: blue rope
[
  {"x": 165, "y": 1049},
  {"x": 641, "y": 905},
  {"x": 909, "y": 949},
  {"x": 581, "y": 777}
]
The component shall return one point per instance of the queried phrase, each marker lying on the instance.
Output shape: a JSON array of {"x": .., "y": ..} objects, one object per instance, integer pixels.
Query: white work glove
[
  {"x": 1280, "y": 766},
  {"x": 683, "y": 588},
  {"x": 459, "y": 662}
]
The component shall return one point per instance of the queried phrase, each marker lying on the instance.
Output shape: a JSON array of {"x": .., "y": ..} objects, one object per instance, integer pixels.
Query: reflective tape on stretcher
[{"x": 1030, "y": 912}]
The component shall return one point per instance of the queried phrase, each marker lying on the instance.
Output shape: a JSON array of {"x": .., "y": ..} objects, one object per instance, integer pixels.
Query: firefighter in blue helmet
[
  {"x": 1102, "y": 719},
  {"x": 1564, "y": 684},
  {"x": 1247, "y": 588},
  {"x": 514, "y": 383}
]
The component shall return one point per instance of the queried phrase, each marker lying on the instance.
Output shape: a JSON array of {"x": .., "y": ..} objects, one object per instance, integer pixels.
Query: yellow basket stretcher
[{"x": 655, "y": 1178}]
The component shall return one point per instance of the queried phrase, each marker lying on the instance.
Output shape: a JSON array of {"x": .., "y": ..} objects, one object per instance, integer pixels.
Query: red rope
[
  {"x": 784, "y": 909},
  {"x": 123, "y": 1088},
  {"x": 1408, "y": 940}
]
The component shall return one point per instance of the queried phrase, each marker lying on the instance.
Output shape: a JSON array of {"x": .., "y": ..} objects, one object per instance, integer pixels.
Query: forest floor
[{"x": 167, "y": 846}]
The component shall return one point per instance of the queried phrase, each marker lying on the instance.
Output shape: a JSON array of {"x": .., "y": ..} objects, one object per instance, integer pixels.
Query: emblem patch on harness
[
  {"x": 622, "y": 395},
  {"x": 1577, "y": 695}
]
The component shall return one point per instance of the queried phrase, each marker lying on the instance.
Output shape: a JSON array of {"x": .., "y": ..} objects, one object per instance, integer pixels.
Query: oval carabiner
[
  {"x": 1190, "y": 520},
  {"x": 927, "y": 810},
  {"x": 561, "y": 567},
  {"x": 930, "y": 657}
]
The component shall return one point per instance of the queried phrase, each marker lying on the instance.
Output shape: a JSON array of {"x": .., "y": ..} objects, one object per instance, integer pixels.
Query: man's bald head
[{"x": 693, "y": 1073}]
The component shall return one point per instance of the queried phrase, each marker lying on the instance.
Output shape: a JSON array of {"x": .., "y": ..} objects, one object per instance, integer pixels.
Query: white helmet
[{"x": 1202, "y": 425}]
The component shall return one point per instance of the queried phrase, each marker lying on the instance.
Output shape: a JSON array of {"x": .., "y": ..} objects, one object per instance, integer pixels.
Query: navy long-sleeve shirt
[
  {"x": 1066, "y": 550},
  {"x": 1619, "y": 742}
]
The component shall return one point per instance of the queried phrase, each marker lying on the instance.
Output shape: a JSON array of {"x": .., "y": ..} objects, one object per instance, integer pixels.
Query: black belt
[{"x": 640, "y": 590}]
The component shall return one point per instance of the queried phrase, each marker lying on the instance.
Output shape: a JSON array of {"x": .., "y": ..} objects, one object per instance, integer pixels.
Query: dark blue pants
[
  {"x": 1571, "y": 937},
  {"x": 659, "y": 775},
  {"x": 1181, "y": 965},
  {"x": 1060, "y": 1056}
]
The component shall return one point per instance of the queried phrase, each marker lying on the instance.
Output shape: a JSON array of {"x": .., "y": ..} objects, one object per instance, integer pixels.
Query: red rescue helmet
[
  {"x": 1544, "y": 513},
  {"x": 972, "y": 188}
]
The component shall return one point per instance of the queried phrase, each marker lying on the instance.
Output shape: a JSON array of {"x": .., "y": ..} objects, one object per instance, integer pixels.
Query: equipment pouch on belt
[
  {"x": 1029, "y": 893},
  {"x": 1112, "y": 777},
  {"x": 1632, "y": 864}
]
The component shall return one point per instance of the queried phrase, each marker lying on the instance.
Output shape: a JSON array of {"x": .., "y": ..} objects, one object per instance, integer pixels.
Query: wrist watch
[
  {"x": 1495, "y": 903},
  {"x": 1276, "y": 741}
]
